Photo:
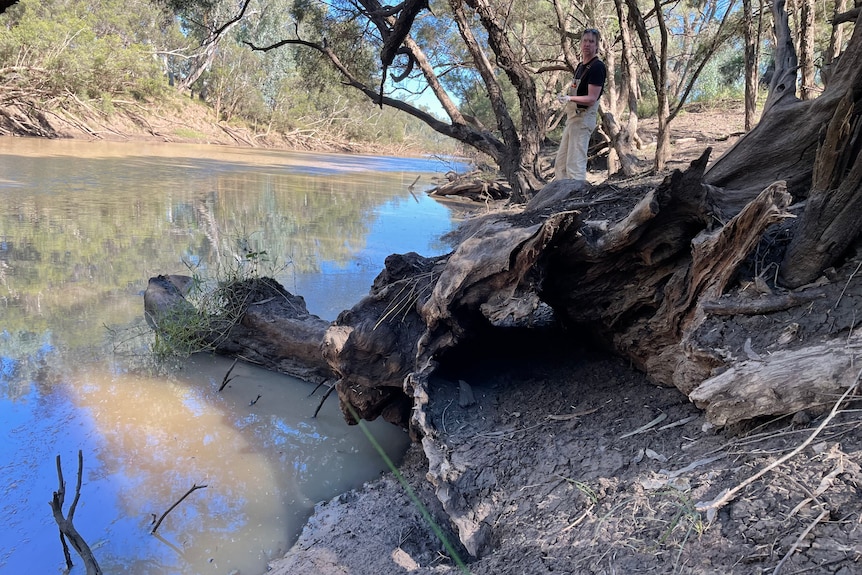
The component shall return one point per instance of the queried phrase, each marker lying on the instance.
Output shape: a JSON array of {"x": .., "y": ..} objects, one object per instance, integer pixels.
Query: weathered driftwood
[
  {"x": 272, "y": 328},
  {"x": 762, "y": 305},
  {"x": 782, "y": 382},
  {"x": 473, "y": 187}
]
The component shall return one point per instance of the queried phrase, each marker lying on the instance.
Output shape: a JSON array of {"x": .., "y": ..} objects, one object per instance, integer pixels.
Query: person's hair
[{"x": 594, "y": 32}]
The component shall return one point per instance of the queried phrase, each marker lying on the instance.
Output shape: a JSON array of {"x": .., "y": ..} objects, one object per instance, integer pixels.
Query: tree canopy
[
  {"x": 480, "y": 72},
  {"x": 492, "y": 69}
]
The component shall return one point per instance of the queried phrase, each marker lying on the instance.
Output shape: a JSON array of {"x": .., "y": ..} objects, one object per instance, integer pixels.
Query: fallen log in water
[
  {"x": 638, "y": 268},
  {"x": 271, "y": 327}
]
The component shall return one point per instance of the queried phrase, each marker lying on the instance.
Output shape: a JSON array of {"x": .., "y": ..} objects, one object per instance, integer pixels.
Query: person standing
[{"x": 581, "y": 105}]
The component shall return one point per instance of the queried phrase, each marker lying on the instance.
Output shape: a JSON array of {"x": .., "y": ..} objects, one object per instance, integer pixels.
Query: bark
[
  {"x": 629, "y": 72},
  {"x": 519, "y": 270},
  {"x": 782, "y": 382},
  {"x": 813, "y": 146},
  {"x": 621, "y": 147},
  {"x": 836, "y": 40},
  {"x": 273, "y": 328},
  {"x": 830, "y": 222},
  {"x": 751, "y": 41},
  {"x": 658, "y": 71},
  {"x": 806, "y": 49},
  {"x": 784, "y": 143}
]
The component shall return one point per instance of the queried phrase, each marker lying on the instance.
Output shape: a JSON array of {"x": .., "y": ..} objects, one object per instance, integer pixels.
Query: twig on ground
[
  {"x": 796, "y": 543},
  {"x": 194, "y": 487},
  {"x": 678, "y": 423},
  {"x": 646, "y": 427},
  {"x": 841, "y": 295},
  {"x": 712, "y": 507}
]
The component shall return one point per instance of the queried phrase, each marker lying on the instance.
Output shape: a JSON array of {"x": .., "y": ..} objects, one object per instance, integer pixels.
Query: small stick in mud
[
  {"x": 319, "y": 385},
  {"x": 171, "y": 508},
  {"x": 227, "y": 379}
]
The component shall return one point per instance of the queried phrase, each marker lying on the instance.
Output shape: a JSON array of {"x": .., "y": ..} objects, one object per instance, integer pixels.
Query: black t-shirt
[{"x": 593, "y": 73}]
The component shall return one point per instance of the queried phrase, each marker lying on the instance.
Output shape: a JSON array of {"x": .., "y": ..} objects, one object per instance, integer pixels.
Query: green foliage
[
  {"x": 76, "y": 48},
  {"x": 212, "y": 306},
  {"x": 722, "y": 78},
  {"x": 98, "y": 52}
]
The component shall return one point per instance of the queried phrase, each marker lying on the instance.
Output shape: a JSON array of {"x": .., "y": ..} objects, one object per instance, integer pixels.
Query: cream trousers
[{"x": 571, "y": 161}]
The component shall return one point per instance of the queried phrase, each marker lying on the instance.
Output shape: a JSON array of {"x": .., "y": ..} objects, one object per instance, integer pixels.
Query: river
[{"x": 83, "y": 225}]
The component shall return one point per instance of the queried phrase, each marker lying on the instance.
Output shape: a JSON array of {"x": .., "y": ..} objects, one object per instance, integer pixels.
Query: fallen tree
[
  {"x": 693, "y": 279},
  {"x": 640, "y": 267}
]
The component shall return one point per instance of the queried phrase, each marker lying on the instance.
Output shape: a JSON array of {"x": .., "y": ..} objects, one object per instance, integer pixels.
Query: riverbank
[
  {"x": 177, "y": 119},
  {"x": 570, "y": 461},
  {"x": 575, "y": 463}
]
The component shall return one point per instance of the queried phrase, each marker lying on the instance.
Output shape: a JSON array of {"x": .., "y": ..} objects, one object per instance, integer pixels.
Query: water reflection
[{"x": 82, "y": 228}]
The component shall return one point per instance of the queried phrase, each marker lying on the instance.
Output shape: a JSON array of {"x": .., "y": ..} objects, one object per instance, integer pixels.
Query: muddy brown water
[{"x": 83, "y": 225}]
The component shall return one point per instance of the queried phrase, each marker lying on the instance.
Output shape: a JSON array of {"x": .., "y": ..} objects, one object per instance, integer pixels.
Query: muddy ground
[{"x": 579, "y": 464}]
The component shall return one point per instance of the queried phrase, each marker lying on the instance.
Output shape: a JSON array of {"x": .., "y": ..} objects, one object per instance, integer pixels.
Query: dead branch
[
  {"x": 194, "y": 487},
  {"x": 762, "y": 305},
  {"x": 67, "y": 529},
  {"x": 322, "y": 399},
  {"x": 227, "y": 378}
]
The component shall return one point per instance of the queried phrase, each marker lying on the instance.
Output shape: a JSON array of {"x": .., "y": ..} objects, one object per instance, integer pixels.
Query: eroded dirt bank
[{"x": 580, "y": 465}]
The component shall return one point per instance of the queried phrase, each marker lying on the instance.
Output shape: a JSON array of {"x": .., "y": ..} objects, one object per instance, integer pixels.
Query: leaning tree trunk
[
  {"x": 814, "y": 147},
  {"x": 784, "y": 143},
  {"x": 831, "y": 219}
]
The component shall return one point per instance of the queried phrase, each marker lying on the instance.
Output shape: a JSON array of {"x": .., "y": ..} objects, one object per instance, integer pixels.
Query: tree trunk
[
  {"x": 626, "y": 161},
  {"x": 796, "y": 141},
  {"x": 658, "y": 71},
  {"x": 750, "y": 39},
  {"x": 836, "y": 40},
  {"x": 783, "y": 144},
  {"x": 806, "y": 49},
  {"x": 831, "y": 222},
  {"x": 629, "y": 72},
  {"x": 274, "y": 329}
]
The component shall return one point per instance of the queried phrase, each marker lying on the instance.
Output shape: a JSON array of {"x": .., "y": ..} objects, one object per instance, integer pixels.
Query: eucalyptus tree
[
  {"x": 689, "y": 34},
  {"x": 205, "y": 24},
  {"x": 501, "y": 60}
]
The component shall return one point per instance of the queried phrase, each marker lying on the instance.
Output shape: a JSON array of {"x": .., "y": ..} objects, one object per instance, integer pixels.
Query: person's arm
[{"x": 593, "y": 93}]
